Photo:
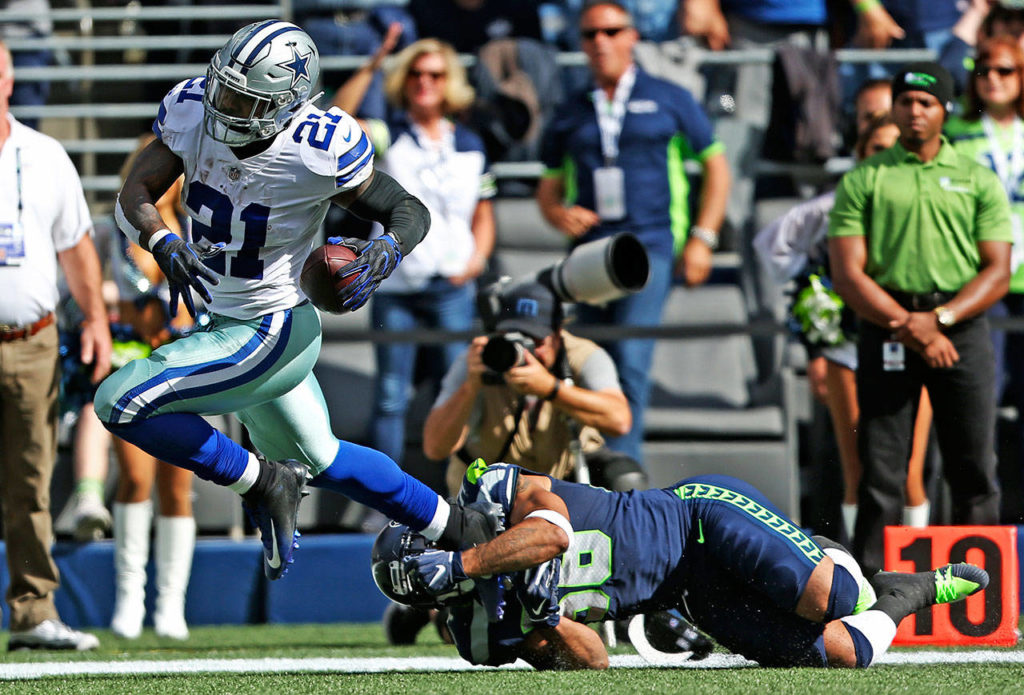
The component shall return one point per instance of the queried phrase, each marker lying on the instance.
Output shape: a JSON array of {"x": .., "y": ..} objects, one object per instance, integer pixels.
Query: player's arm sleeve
[
  {"x": 992, "y": 216},
  {"x": 402, "y": 215}
]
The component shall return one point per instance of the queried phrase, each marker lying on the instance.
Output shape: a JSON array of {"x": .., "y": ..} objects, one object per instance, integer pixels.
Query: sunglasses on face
[
  {"x": 1001, "y": 70},
  {"x": 415, "y": 74},
  {"x": 610, "y": 32}
]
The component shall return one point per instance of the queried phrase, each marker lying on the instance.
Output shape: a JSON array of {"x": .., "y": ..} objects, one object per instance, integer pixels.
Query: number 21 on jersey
[{"x": 244, "y": 263}]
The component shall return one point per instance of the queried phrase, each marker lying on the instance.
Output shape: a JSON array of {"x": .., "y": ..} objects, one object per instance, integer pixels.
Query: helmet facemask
[
  {"x": 256, "y": 85},
  {"x": 394, "y": 544}
]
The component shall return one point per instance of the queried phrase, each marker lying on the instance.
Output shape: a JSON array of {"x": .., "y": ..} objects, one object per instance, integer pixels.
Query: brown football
[{"x": 317, "y": 279}]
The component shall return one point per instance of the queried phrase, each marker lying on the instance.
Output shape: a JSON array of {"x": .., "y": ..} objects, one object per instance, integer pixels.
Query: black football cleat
[{"x": 275, "y": 512}]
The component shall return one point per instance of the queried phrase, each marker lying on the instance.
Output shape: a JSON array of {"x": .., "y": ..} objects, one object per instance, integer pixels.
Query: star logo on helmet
[{"x": 298, "y": 66}]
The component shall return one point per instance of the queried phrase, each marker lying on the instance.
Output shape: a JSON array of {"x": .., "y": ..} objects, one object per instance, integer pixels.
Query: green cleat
[
  {"x": 900, "y": 594},
  {"x": 956, "y": 582}
]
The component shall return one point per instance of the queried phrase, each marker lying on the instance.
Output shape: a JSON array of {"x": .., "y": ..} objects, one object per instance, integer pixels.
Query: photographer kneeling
[{"x": 532, "y": 394}]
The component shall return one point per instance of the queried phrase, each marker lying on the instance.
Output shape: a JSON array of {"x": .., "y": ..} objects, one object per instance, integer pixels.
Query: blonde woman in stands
[
  {"x": 442, "y": 163},
  {"x": 794, "y": 246}
]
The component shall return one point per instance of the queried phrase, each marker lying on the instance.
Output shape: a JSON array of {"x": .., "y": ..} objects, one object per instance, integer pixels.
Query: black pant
[{"x": 964, "y": 423}]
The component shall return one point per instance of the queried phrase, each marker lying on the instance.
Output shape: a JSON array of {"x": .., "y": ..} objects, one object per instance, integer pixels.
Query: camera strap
[{"x": 515, "y": 428}]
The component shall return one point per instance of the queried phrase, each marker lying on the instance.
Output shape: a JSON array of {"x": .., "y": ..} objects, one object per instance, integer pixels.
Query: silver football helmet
[{"x": 258, "y": 81}]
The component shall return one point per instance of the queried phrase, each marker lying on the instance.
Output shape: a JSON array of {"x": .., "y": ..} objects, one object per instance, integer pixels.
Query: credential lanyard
[
  {"x": 611, "y": 113},
  {"x": 17, "y": 174}
]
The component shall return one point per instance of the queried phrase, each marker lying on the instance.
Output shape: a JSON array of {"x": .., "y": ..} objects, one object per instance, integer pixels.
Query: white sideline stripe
[{"x": 385, "y": 664}]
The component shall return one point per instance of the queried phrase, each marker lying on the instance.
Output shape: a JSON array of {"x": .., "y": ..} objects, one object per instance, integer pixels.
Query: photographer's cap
[
  {"x": 530, "y": 308},
  {"x": 927, "y": 77}
]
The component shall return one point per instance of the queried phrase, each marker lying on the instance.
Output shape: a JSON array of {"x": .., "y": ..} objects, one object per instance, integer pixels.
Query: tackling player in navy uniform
[
  {"x": 711, "y": 546},
  {"x": 262, "y": 165}
]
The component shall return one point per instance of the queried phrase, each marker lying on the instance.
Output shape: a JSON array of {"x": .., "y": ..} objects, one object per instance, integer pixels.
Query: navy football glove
[
  {"x": 376, "y": 260},
  {"x": 182, "y": 264},
  {"x": 538, "y": 593},
  {"x": 437, "y": 573}
]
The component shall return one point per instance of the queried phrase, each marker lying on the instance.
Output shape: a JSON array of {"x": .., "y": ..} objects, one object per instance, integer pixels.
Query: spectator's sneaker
[
  {"x": 52, "y": 634},
  {"x": 90, "y": 518},
  {"x": 912, "y": 592},
  {"x": 403, "y": 623},
  {"x": 275, "y": 512}
]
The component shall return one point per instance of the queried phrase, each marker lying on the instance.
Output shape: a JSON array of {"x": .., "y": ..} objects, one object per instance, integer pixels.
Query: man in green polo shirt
[{"x": 919, "y": 241}]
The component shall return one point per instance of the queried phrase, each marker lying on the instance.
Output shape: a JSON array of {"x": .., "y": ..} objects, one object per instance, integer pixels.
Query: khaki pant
[{"x": 28, "y": 449}]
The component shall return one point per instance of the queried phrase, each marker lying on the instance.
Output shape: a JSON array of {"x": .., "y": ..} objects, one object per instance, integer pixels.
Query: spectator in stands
[
  {"x": 983, "y": 19},
  {"x": 37, "y": 92},
  {"x": 43, "y": 220},
  {"x": 349, "y": 28},
  {"x": 469, "y": 24},
  {"x": 144, "y": 325},
  {"x": 919, "y": 245},
  {"x": 991, "y": 132},
  {"x": 442, "y": 163},
  {"x": 795, "y": 247},
  {"x": 613, "y": 156},
  {"x": 744, "y": 93}
]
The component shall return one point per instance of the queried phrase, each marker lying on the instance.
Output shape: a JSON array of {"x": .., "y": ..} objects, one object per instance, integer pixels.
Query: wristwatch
[
  {"x": 708, "y": 236},
  {"x": 945, "y": 316}
]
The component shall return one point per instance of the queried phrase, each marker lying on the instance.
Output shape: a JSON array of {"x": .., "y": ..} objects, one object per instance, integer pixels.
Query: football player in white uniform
[{"x": 262, "y": 164}]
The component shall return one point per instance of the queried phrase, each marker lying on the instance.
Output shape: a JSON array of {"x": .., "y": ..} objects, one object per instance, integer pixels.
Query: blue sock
[
  {"x": 187, "y": 441},
  {"x": 861, "y": 646},
  {"x": 842, "y": 599},
  {"x": 374, "y": 479}
]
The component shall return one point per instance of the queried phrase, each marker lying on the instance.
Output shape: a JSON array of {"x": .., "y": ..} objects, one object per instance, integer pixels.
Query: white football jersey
[{"x": 266, "y": 209}]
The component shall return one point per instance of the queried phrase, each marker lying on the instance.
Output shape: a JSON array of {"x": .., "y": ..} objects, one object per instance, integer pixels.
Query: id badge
[
  {"x": 893, "y": 356},
  {"x": 12, "y": 243},
  {"x": 610, "y": 193}
]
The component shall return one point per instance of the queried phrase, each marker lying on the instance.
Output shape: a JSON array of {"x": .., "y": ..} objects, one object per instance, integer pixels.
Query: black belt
[{"x": 922, "y": 301}]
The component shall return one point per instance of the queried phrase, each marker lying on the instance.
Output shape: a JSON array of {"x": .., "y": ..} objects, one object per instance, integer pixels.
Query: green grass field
[{"x": 361, "y": 642}]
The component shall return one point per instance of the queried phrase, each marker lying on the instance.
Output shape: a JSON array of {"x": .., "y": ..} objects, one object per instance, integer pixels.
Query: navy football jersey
[
  {"x": 714, "y": 540},
  {"x": 626, "y": 550}
]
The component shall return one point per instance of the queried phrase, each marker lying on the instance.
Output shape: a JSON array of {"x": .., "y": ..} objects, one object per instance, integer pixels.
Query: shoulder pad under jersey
[
  {"x": 181, "y": 110},
  {"x": 494, "y": 485},
  {"x": 331, "y": 143}
]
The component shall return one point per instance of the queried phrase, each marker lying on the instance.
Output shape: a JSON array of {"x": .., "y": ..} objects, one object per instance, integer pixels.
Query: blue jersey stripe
[
  {"x": 259, "y": 47},
  {"x": 245, "y": 377},
  {"x": 192, "y": 370},
  {"x": 355, "y": 154}
]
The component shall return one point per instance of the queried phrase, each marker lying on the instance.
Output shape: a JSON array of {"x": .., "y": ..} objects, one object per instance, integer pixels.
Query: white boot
[
  {"x": 131, "y": 553},
  {"x": 917, "y": 516},
  {"x": 175, "y": 540}
]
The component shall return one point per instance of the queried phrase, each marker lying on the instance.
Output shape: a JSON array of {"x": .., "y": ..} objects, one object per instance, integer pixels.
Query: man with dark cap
[{"x": 919, "y": 242}]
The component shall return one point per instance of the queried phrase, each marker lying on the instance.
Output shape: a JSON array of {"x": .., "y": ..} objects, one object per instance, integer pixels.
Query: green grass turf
[{"x": 349, "y": 641}]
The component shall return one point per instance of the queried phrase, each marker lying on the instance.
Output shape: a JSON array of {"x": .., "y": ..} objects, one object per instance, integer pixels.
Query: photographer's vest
[{"x": 541, "y": 439}]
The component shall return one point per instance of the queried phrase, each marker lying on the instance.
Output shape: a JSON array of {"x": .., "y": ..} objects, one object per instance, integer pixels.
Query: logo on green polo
[{"x": 919, "y": 79}]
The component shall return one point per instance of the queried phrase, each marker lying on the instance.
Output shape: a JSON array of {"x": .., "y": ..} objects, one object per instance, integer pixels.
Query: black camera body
[{"x": 504, "y": 351}]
